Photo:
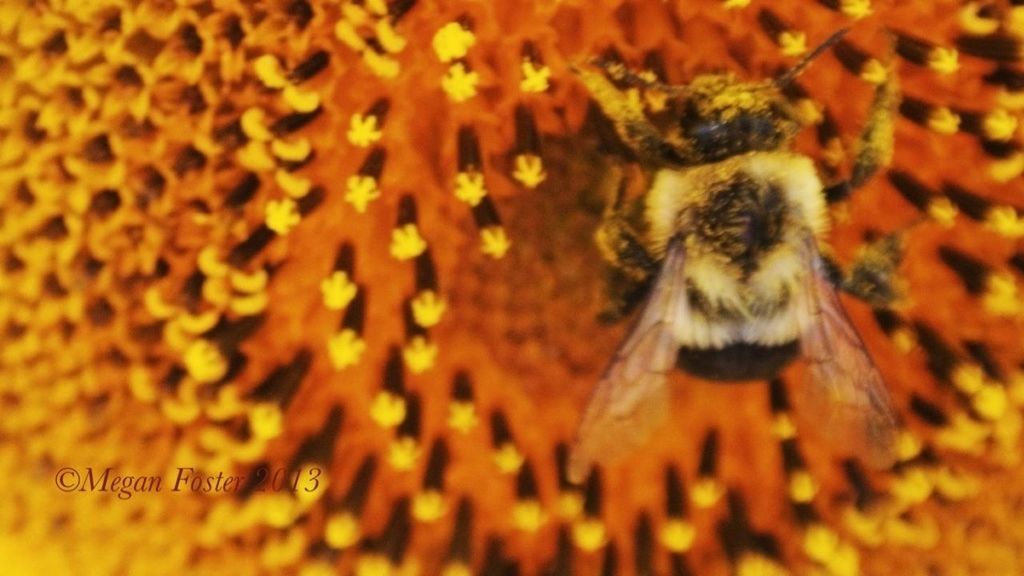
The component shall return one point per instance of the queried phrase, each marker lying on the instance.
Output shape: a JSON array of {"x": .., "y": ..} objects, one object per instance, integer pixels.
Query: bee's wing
[
  {"x": 845, "y": 394},
  {"x": 632, "y": 399}
]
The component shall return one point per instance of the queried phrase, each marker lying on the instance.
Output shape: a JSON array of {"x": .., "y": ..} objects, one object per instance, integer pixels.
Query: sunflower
[{"x": 297, "y": 287}]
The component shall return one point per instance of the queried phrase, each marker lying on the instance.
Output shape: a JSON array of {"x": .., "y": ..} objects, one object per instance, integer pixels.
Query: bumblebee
[{"x": 723, "y": 253}]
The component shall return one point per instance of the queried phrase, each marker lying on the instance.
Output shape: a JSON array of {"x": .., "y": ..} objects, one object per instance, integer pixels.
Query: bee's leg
[
  {"x": 620, "y": 73},
  {"x": 873, "y": 276},
  {"x": 631, "y": 124},
  {"x": 624, "y": 294},
  {"x": 875, "y": 145},
  {"x": 631, "y": 265}
]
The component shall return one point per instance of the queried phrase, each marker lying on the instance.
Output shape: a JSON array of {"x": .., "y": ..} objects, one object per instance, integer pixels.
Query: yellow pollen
[
  {"x": 964, "y": 434},
  {"x": 294, "y": 186},
  {"x": 469, "y": 187},
  {"x": 462, "y": 416},
  {"x": 866, "y": 528},
  {"x": 456, "y": 569},
  {"x": 156, "y": 305},
  {"x": 266, "y": 421},
  {"x": 429, "y": 506},
  {"x": 1016, "y": 387},
  {"x": 508, "y": 458},
  {"x": 753, "y": 564},
  {"x": 1007, "y": 168},
  {"x": 820, "y": 542},
  {"x": 706, "y": 492},
  {"x": 783, "y": 427},
  {"x": 427, "y": 308},
  {"x": 570, "y": 505},
  {"x": 944, "y": 121},
  {"x": 407, "y": 243},
  {"x": 874, "y": 72},
  {"x": 1001, "y": 296},
  {"x": 944, "y": 61},
  {"x": 991, "y": 402},
  {"x": 346, "y": 32},
  {"x": 381, "y": 65},
  {"x": 912, "y": 486},
  {"x": 999, "y": 124},
  {"x": 802, "y": 486},
  {"x": 387, "y": 409},
  {"x": 973, "y": 23},
  {"x": 345, "y": 349},
  {"x": 968, "y": 377},
  {"x": 295, "y": 151},
  {"x": 198, "y": 323},
  {"x": 210, "y": 264},
  {"x": 374, "y": 565},
  {"x": 793, "y": 43},
  {"x": 535, "y": 78},
  {"x": 255, "y": 157},
  {"x": 529, "y": 170},
  {"x": 389, "y": 39},
  {"x": 495, "y": 242},
  {"x": 528, "y": 516},
  {"x": 285, "y": 550},
  {"x": 249, "y": 283},
  {"x": 338, "y": 291},
  {"x": 678, "y": 535},
  {"x": 363, "y": 130},
  {"x": 254, "y": 126},
  {"x": 403, "y": 453},
  {"x": 420, "y": 355},
  {"x": 904, "y": 340},
  {"x": 269, "y": 71},
  {"x": 956, "y": 486},
  {"x": 855, "y": 9},
  {"x": 1005, "y": 221},
  {"x": 141, "y": 384},
  {"x": 452, "y": 42},
  {"x": 943, "y": 211},
  {"x": 250, "y": 305},
  {"x": 301, "y": 100},
  {"x": 282, "y": 215},
  {"x": 360, "y": 191},
  {"x": 204, "y": 362},
  {"x": 459, "y": 83},
  {"x": 735, "y": 4},
  {"x": 908, "y": 446},
  {"x": 589, "y": 534}
]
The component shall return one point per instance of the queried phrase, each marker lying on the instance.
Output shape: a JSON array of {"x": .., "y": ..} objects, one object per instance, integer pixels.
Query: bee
[{"x": 723, "y": 251}]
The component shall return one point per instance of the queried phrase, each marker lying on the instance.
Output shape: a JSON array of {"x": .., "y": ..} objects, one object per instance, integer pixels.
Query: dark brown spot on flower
[
  {"x": 127, "y": 75},
  {"x": 189, "y": 159},
  {"x": 100, "y": 312},
  {"x": 190, "y": 39},
  {"x": 105, "y": 202},
  {"x": 193, "y": 98},
  {"x": 233, "y": 31},
  {"x": 54, "y": 229},
  {"x": 57, "y": 44},
  {"x": 98, "y": 151}
]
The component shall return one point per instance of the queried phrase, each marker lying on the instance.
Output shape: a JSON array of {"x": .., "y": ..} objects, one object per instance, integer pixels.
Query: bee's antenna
[{"x": 788, "y": 76}]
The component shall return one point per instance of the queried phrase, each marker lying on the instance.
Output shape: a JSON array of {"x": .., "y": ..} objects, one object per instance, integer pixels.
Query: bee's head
[{"x": 724, "y": 117}]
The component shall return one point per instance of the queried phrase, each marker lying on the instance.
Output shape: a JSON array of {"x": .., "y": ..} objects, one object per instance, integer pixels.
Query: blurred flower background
[{"x": 344, "y": 250}]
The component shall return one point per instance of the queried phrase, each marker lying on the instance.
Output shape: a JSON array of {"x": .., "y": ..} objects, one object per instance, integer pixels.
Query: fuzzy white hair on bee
[{"x": 724, "y": 251}]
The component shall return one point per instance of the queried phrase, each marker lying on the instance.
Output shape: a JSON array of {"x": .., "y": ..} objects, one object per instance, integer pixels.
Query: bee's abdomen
[{"x": 738, "y": 361}]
